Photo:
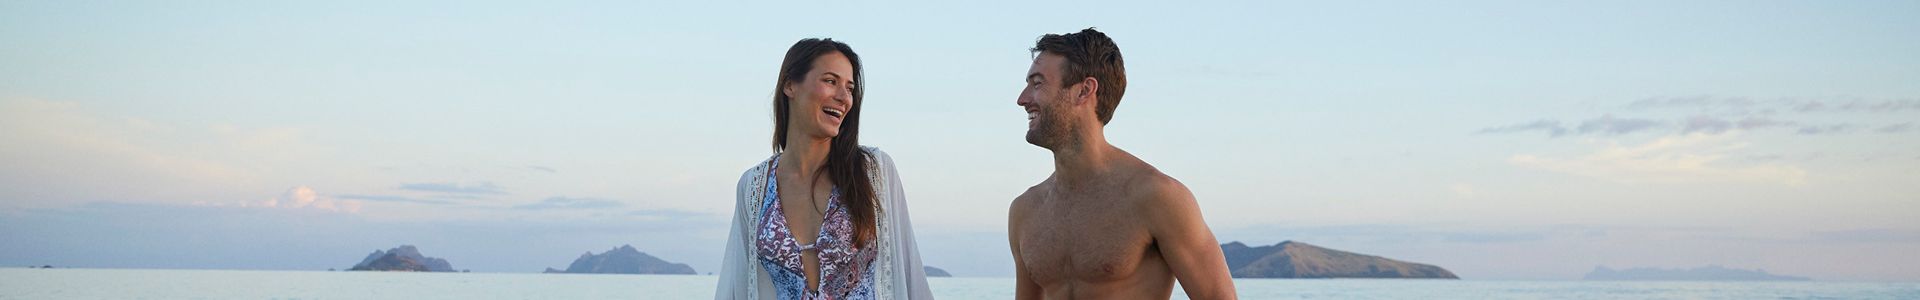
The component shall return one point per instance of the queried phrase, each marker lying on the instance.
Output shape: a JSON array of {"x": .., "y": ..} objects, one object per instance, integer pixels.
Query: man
[{"x": 1105, "y": 225}]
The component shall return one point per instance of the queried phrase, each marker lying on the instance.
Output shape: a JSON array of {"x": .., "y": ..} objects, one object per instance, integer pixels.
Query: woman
[{"x": 824, "y": 218}]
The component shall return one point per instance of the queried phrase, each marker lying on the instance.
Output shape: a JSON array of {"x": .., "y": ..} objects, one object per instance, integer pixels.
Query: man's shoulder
[
  {"x": 1027, "y": 199},
  {"x": 1148, "y": 186}
]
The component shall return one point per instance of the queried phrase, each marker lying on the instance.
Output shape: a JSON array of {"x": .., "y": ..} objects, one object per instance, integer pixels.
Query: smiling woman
[{"x": 838, "y": 229}]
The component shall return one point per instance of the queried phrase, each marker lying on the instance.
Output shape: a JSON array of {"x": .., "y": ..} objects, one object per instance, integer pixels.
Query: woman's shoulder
[
  {"x": 881, "y": 162},
  {"x": 878, "y": 157},
  {"x": 756, "y": 171}
]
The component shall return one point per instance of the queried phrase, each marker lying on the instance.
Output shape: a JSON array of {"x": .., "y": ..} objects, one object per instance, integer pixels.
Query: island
[
  {"x": 1290, "y": 259},
  {"x": 405, "y": 258},
  {"x": 935, "y": 272},
  {"x": 623, "y": 260},
  {"x": 1707, "y": 273}
]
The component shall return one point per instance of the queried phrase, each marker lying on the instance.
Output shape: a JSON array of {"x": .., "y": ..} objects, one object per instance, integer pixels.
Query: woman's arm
[
  {"x": 733, "y": 278},
  {"x": 909, "y": 251}
]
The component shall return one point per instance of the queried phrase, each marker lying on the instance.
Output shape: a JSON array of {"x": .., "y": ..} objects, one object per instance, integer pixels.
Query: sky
[{"x": 1497, "y": 139}]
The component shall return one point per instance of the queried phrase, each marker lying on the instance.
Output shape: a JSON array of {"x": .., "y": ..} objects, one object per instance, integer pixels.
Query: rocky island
[
  {"x": 405, "y": 258},
  {"x": 1290, "y": 259},
  {"x": 623, "y": 260},
  {"x": 935, "y": 272}
]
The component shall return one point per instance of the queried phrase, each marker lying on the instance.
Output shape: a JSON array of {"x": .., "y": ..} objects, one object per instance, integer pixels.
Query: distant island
[
  {"x": 1707, "y": 273},
  {"x": 623, "y": 260},
  {"x": 935, "y": 272},
  {"x": 1290, "y": 259},
  {"x": 405, "y": 258}
]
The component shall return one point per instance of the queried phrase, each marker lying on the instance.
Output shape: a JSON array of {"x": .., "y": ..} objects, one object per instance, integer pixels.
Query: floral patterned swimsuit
[{"x": 845, "y": 270}]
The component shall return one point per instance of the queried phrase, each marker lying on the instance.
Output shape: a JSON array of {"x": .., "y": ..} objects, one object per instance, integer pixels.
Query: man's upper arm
[
  {"x": 1186, "y": 243},
  {"x": 1024, "y": 287}
]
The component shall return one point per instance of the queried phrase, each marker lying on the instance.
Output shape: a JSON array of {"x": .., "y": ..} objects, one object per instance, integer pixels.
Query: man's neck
[{"x": 1082, "y": 158}]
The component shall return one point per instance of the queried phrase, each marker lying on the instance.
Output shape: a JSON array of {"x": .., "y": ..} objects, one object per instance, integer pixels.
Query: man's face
[{"x": 1046, "y": 101}]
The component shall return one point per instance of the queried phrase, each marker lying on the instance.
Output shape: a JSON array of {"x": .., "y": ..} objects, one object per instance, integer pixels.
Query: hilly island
[{"x": 1290, "y": 259}]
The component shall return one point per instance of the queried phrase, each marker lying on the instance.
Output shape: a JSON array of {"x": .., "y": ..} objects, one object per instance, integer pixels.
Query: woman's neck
[{"x": 805, "y": 155}]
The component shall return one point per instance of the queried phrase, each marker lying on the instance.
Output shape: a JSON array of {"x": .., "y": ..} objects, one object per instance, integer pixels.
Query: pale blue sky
[{"x": 1502, "y": 140}]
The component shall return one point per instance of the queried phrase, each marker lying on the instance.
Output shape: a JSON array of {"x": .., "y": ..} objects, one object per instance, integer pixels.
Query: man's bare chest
[{"x": 1082, "y": 244}]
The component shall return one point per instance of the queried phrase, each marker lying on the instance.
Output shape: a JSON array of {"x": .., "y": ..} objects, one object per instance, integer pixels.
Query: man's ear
[{"x": 1088, "y": 91}]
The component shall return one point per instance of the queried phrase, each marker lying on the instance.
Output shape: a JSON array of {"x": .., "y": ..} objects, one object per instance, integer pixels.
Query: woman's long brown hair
[{"x": 846, "y": 163}]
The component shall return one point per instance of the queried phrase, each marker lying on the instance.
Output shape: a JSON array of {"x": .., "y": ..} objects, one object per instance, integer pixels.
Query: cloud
[
  {"x": 1824, "y": 129},
  {"x": 1552, "y": 128},
  {"x": 1673, "y": 159},
  {"x": 669, "y": 214},
  {"x": 1856, "y": 105},
  {"x": 1403, "y": 233},
  {"x": 1605, "y": 124},
  {"x": 1716, "y": 115},
  {"x": 571, "y": 203},
  {"x": 482, "y": 188},
  {"x": 1463, "y": 191},
  {"x": 100, "y": 234},
  {"x": 299, "y": 198},
  {"x": 1708, "y": 124},
  {"x": 1611, "y": 125},
  {"x": 64, "y": 152},
  {"x": 1697, "y": 102},
  {"x": 1875, "y": 235},
  {"x": 392, "y": 198},
  {"x": 1494, "y": 237},
  {"x": 1895, "y": 128},
  {"x": 1745, "y": 105}
]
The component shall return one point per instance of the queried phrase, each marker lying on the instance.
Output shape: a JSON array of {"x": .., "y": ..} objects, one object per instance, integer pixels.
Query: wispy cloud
[
  {"x": 1824, "y": 129},
  {"x": 1717, "y": 115},
  {"x": 1605, "y": 124},
  {"x": 1673, "y": 159},
  {"x": 1695, "y": 102},
  {"x": 1895, "y": 128},
  {"x": 1611, "y": 125},
  {"x": 1736, "y": 105},
  {"x": 1551, "y": 127},
  {"x": 482, "y": 188},
  {"x": 668, "y": 214},
  {"x": 1874, "y": 235},
  {"x": 1856, "y": 105},
  {"x": 571, "y": 203},
  {"x": 1709, "y": 124},
  {"x": 398, "y": 199},
  {"x": 299, "y": 197}
]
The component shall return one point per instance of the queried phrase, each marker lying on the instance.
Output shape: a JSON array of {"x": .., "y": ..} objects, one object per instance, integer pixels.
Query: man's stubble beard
[{"x": 1051, "y": 131}]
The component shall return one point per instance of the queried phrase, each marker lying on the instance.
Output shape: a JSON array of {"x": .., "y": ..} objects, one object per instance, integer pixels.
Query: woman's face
[{"x": 819, "y": 101}]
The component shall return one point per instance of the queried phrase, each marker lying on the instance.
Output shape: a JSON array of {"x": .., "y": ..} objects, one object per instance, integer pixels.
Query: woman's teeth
[{"x": 834, "y": 112}]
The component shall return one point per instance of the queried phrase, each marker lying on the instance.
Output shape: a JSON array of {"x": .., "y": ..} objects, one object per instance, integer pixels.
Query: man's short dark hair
[{"x": 1090, "y": 53}]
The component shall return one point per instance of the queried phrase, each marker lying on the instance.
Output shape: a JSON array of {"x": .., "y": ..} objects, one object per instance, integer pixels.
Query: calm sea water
[{"x": 16, "y": 283}]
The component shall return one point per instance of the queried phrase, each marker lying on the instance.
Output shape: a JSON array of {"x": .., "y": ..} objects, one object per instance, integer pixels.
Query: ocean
[{"x": 20, "y": 283}]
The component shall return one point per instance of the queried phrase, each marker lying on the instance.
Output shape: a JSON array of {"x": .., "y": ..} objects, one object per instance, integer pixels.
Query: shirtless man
[{"x": 1105, "y": 225}]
